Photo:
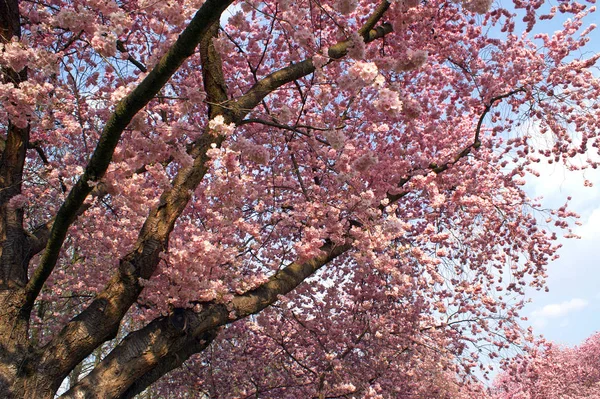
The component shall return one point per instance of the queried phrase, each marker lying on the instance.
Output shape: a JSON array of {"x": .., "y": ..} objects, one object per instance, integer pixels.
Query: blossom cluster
[{"x": 390, "y": 172}]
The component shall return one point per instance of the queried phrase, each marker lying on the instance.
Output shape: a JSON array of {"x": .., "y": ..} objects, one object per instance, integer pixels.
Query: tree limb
[
  {"x": 437, "y": 169},
  {"x": 244, "y": 104},
  {"x": 144, "y": 350},
  {"x": 170, "y": 362},
  {"x": 99, "y": 322},
  {"x": 124, "y": 287},
  {"x": 38, "y": 237},
  {"x": 125, "y": 110}
]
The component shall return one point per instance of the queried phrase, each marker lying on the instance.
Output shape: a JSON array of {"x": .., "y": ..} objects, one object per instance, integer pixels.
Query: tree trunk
[{"x": 15, "y": 351}]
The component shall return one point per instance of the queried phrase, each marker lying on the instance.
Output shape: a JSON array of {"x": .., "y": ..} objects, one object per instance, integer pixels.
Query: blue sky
[{"x": 570, "y": 311}]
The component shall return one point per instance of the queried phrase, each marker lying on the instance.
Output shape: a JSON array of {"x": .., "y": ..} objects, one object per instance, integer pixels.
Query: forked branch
[{"x": 124, "y": 112}]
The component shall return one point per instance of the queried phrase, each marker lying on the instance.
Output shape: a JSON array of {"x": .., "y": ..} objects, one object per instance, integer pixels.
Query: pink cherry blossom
[{"x": 286, "y": 199}]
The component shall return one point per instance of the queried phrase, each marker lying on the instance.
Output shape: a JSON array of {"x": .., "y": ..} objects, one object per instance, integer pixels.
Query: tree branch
[
  {"x": 131, "y": 353},
  {"x": 122, "y": 49},
  {"x": 124, "y": 287},
  {"x": 99, "y": 322},
  {"x": 36, "y": 145},
  {"x": 144, "y": 350},
  {"x": 125, "y": 110},
  {"x": 170, "y": 362},
  {"x": 38, "y": 238},
  {"x": 437, "y": 169},
  {"x": 244, "y": 104},
  {"x": 488, "y": 107}
]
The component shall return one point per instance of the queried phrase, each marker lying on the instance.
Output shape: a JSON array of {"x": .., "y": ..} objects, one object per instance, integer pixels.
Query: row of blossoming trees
[
  {"x": 553, "y": 372},
  {"x": 280, "y": 199}
]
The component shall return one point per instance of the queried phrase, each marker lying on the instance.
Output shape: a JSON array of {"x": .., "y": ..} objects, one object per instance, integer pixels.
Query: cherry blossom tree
[
  {"x": 278, "y": 199},
  {"x": 552, "y": 371}
]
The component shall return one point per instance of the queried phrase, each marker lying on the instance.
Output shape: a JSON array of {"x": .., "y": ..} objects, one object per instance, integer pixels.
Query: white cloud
[
  {"x": 557, "y": 310},
  {"x": 591, "y": 228},
  {"x": 561, "y": 309}
]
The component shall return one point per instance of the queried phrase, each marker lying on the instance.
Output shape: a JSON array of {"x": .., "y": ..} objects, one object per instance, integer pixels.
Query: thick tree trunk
[{"x": 14, "y": 346}]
